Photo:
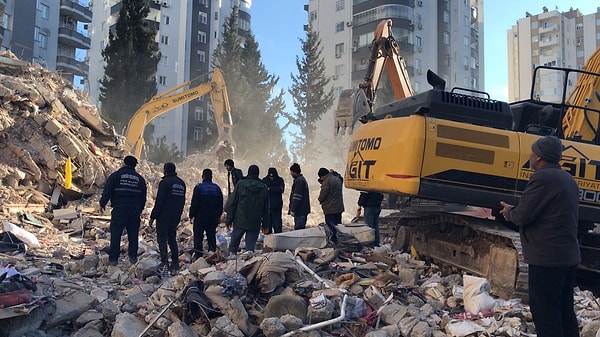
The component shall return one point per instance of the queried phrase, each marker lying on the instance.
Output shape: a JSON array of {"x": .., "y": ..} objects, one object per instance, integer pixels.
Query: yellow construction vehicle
[
  {"x": 168, "y": 100},
  {"x": 444, "y": 148}
]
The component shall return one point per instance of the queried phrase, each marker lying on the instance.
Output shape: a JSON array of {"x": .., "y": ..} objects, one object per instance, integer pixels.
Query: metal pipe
[
  {"x": 315, "y": 275},
  {"x": 324, "y": 323}
]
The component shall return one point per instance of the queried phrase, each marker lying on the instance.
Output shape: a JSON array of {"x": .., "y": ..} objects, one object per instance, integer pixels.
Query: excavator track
[{"x": 480, "y": 247}]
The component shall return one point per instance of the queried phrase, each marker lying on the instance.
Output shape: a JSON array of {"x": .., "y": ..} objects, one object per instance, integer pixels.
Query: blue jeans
[
  {"x": 300, "y": 221},
  {"x": 372, "y": 220},
  {"x": 551, "y": 301}
]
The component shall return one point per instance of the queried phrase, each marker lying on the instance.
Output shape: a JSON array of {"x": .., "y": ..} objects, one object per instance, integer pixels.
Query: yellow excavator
[
  {"x": 168, "y": 100},
  {"x": 442, "y": 149}
]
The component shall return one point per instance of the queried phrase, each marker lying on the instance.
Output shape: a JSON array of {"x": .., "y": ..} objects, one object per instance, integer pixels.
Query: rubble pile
[{"x": 55, "y": 279}]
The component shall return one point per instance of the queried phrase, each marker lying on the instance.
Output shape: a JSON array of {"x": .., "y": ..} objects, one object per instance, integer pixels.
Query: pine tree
[
  {"x": 310, "y": 97},
  {"x": 131, "y": 57},
  {"x": 254, "y": 112}
]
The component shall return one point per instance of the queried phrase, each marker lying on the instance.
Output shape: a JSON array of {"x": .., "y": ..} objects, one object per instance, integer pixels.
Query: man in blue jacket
[
  {"x": 167, "y": 210},
  {"x": 205, "y": 212},
  {"x": 275, "y": 186},
  {"x": 126, "y": 190}
]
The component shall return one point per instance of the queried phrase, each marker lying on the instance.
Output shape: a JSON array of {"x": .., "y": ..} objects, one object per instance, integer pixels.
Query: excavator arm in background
[
  {"x": 166, "y": 101},
  {"x": 579, "y": 122},
  {"x": 356, "y": 105}
]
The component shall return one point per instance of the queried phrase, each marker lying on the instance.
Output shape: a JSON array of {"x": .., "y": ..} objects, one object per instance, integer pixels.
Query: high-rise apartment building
[
  {"x": 445, "y": 36},
  {"x": 50, "y": 32},
  {"x": 188, "y": 32},
  {"x": 551, "y": 38}
]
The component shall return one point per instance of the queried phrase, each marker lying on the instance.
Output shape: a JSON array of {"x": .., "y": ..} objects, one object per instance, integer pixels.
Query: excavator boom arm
[{"x": 164, "y": 102}]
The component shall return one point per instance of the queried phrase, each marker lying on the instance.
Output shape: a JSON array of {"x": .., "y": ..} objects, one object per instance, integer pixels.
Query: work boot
[
  {"x": 113, "y": 263},
  {"x": 133, "y": 259}
]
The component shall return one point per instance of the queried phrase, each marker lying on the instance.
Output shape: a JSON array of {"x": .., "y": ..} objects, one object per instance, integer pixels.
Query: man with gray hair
[{"x": 547, "y": 216}]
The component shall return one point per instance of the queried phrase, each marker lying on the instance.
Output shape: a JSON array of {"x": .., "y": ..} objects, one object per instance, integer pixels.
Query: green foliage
[
  {"x": 131, "y": 57},
  {"x": 310, "y": 97},
  {"x": 254, "y": 106}
]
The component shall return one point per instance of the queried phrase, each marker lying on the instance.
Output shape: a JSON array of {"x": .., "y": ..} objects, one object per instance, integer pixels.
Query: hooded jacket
[
  {"x": 330, "y": 196},
  {"x": 248, "y": 206}
]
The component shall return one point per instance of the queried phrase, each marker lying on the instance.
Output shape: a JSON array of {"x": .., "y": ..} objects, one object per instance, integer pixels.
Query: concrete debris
[{"x": 295, "y": 284}]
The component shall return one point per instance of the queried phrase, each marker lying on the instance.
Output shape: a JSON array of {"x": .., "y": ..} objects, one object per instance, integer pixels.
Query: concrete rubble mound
[{"x": 55, "y": 279}]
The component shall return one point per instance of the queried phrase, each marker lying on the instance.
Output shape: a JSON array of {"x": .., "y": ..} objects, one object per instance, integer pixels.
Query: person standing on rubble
[
  {"x": 234, "y": 175},
  {"x": 205, "y": 213},
  {"x": 275, "y": 186},
  {"x": 371, "y": 202},
  {"x": 330, "y": 197},
  {"x": 126, "y": 190},
  {"x": 247, "y": 208},
  {"x": 547, "y": 216},
  {"x": 167, "y": 210},
  {"x": 299, "y": 198}
]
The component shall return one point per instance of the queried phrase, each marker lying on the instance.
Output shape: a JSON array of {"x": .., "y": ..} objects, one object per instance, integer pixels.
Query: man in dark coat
[
  {"x": 234, "y": 175},
  {"x": 247, "y": 208},
  {"x": 205, "y": 212},
  {"x": 126, "y": 189},
  {"x": 299, "y": 198},
  {"x": 167, "y": 210},
  {"x": 275, "y": 186},
  {"x": 331, "y": 197},
  {"x": 547, "y": 217}
]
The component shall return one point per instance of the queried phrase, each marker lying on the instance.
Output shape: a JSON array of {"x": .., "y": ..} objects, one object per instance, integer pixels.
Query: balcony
[
  {"x": 70, "y": 65},
  {"x": 75, "y": 10},
  {"x": 73, "y": 38}
]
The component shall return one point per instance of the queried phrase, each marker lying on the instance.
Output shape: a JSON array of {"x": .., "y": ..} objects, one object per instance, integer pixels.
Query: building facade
[
  {"x": 56, "y": 35},
  {"x": 551, "y": 38},
  {"x": 445, "y": 36}
]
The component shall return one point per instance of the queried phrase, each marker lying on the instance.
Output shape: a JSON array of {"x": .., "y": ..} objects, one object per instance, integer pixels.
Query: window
[
  {"x": 43, "y": 8},
  {"x": 41, "y": 37},
  {"x": 580, "y": 53},
  {"x": 466, "y": 62},
  {"x": 339, "y": 5},
  {"x": 418, "y": 41},
  {"x": 103, "y": 25},
  {"x": 162, "y": 80},
  {"x": 202, "y": 2},
  {"x": 165, "y": 20},
  {"x": 418, "y": 65},
  {"x": 446, "y": 16},
  {"x": 201, "y": 56},
  {"x": 534, "y": 25},
  {"x": 102, "y": 45},
  {"x": 339, "y": 49},
  {"x": 579, "y": 26},
  {"x": 466, "y": 40},
  {"x": 202, "y": 17},
  {"x": 467, "y": 20},
  {"x": 339, "y": 70},
  {"x": 199, "y": 113},
  {"x": 535, "y": 38},
  {"x": 446, "y": 38},
  {"x": 201, "y": 37},
  {"x": 201, "y": 98},
  {"x": 164, "y": 60},
  {"x": 164, "y": 39},
  {"x": 197, "y": 133},
  {"x": 5, "y": 21},
  {"x": 339, "y": 26},
  {"x": 313, "y": 16}
]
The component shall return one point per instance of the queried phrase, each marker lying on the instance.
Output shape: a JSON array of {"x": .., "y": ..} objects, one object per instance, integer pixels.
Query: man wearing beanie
[
  {"x": 275, "y": 187},
  {"x": 247, "y": 208},
  {"x": 170, "y": 199},
  {"x": 547, "y": 216},
  {"x": 299, "y": 198},
  {"x": 126, "y": 190},
  {"x": 330, "y": 197}
]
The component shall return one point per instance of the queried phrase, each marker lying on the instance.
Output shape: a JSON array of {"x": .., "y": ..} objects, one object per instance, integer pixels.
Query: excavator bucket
[{"x": 352, "y": 104}]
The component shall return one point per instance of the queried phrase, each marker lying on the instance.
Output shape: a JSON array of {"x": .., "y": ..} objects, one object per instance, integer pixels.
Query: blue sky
[{"x": 278, "y": 25}]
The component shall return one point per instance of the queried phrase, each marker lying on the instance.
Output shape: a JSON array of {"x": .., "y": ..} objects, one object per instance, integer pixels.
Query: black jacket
[
  {"x": 126, "y": 190},
  {"x": 547, "y": 216},
  {"x": 275, "y": 188},
  {"x": 207, "y": 202},
  {"x": 236, "y": 175},
  {"x": 300, "y": 197},
  {"x": 170, "y": 200},
  {"x": 370, "y": 199}
]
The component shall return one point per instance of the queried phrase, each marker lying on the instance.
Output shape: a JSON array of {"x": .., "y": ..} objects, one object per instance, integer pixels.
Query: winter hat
[
  {"x": 323, "y": 172},
  {"x": 295, "y": 168},
  {"x": 229, "y": 162},
  {"x": 272, "y": 172},
  {"x": 253, "y": 171},
  {"x": 130, "y": 161},
  {"x": 549, "y": 148}
]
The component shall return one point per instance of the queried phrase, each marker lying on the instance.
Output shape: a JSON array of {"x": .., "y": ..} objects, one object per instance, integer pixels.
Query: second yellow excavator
[
  {"x": 460, "y": 147},
  {"x": 168, "y": 100}
]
